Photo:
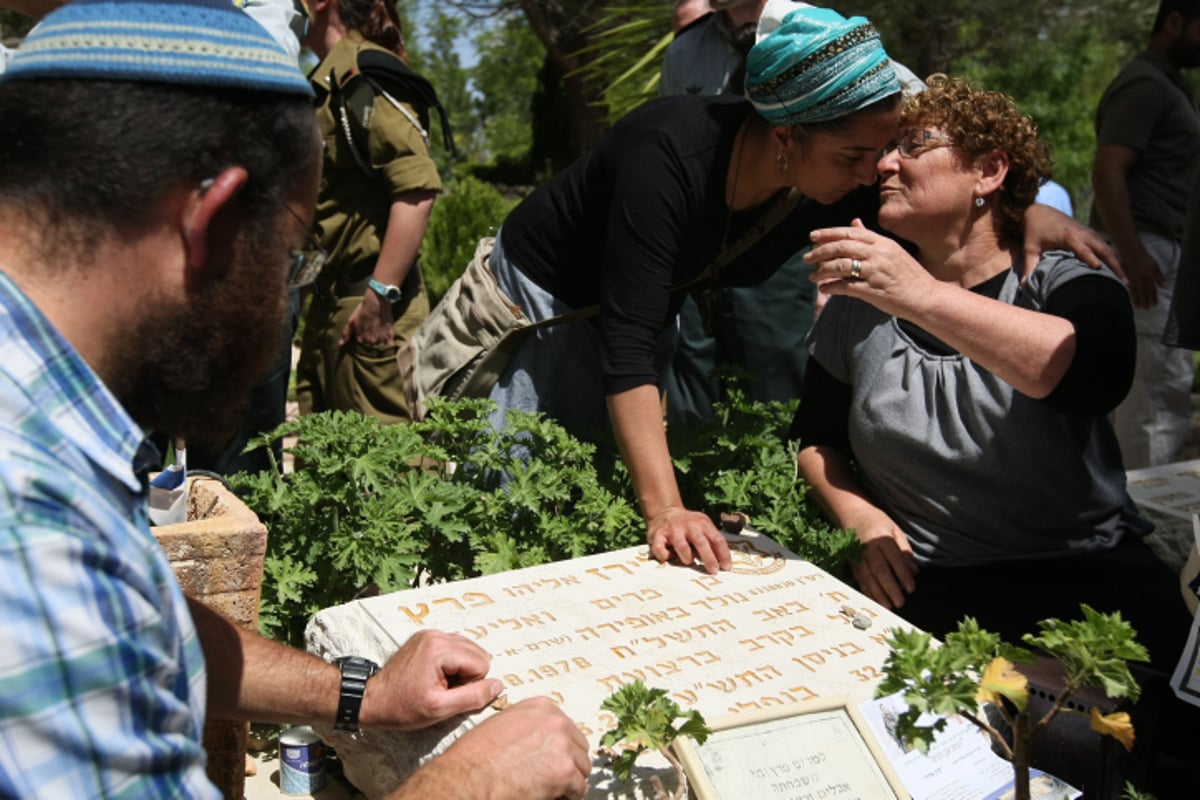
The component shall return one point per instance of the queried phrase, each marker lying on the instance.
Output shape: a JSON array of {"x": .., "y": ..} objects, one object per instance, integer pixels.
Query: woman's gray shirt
[{"x": 972, "y": 470}]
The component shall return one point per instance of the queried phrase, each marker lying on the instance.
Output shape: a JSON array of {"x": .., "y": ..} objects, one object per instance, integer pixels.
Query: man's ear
[
  {"x": 202, "y": 216},
  {"x": 993, "y": 169}
]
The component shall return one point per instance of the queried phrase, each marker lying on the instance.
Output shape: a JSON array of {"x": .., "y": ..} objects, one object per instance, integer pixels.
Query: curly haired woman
[{"x": 954, "y": 415}]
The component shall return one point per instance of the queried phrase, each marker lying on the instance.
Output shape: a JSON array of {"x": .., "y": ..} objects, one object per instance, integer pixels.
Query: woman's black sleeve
[
  {"x": 1105, "y": 345},
  {"x": 823, "y": 417}
]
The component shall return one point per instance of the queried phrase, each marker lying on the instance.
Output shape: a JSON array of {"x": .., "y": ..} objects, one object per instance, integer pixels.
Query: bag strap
[
  {"x": 776, "y": 214},
  {"x": 350, "y": 130},
  {"x": 381, "y": 71}
]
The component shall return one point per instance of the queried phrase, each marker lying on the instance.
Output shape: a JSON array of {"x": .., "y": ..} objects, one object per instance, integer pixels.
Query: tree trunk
[
  {"x": 1021, "y": 746},
  {"x": 559, "y": 28}
]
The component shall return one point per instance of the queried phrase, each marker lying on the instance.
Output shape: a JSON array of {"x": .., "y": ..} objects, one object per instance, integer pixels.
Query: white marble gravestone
[{"x": 774, "y": 630}]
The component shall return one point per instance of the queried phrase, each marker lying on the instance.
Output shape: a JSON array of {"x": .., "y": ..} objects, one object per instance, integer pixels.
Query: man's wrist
[{"x": 356, "y": 671}]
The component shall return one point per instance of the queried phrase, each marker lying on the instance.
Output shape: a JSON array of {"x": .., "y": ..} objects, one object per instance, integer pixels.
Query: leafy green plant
[
  {"x": 646, "y": 721},
  {"x": 1131, "y": 792},
  {"x": 974, "y": 666},
  {"x": 624, "y": 54},
  {"x": 372, "y": 508}
]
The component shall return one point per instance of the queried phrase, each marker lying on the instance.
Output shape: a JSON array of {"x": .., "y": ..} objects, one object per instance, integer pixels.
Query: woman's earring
[
  {"x": 781, "y": 161},
  {"x": 979, "y": 202}
]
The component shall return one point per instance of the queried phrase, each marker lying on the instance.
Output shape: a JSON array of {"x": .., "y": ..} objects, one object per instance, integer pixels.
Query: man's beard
[{"x": 190, "y": 368}]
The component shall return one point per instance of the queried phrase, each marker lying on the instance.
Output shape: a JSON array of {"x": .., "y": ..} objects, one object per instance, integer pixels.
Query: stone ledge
[{"x": 217, "y": 556}]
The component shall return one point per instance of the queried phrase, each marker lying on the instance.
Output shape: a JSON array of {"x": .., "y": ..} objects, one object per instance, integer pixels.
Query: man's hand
[
  {"x": 529, "y": 751},
  {"x": 370, "y": 323},
  {"x": 688, "y": 535},
  {"x": 1144, "y": 276},
  {"x": 433, "y": 677}
]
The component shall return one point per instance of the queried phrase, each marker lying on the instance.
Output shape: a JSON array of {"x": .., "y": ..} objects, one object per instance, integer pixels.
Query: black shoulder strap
[
  {"x": 390, "y": 76},
  {"x": 777, "y": 213},
  {"x": 770, "y": 219}
]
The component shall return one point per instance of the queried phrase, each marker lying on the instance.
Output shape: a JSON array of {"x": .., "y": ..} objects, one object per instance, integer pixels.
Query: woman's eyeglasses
[{"x": 915, "y": 142}]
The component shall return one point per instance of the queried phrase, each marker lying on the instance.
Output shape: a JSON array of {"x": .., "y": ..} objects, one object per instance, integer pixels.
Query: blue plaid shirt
[{"x": 102, "y": 680}]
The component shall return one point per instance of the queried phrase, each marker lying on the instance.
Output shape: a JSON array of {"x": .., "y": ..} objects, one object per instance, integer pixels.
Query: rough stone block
[{"x": 217, "y": 556}]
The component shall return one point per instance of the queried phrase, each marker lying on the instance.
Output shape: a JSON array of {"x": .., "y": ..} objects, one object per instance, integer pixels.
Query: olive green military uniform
[{"x": 351, "y": 218}]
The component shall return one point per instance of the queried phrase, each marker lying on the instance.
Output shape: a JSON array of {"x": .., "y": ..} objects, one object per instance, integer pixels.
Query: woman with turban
[{"x": 636, "y": 223}]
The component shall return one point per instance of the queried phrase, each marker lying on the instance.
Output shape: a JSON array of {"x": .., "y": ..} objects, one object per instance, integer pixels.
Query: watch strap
[
  {"x": 386, "y": 291},
  {"x": 355, "y": 673}
]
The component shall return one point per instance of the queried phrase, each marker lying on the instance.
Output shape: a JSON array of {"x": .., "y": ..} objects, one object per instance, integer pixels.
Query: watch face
[
  {"x": 390, "y": 293},
  {"x": 357, "y": 666}
]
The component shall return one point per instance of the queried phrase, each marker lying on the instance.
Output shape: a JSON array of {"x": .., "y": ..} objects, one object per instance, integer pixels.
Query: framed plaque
[{"x": 815, "y": 749}]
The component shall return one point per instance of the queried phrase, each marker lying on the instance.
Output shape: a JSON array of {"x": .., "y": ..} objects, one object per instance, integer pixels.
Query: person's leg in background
[{"x": 1153, "y": 422}]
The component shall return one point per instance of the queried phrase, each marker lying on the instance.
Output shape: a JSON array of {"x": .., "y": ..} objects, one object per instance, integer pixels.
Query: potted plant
[
  {"x": 973, "y": 666},
  {"x": 646, "y": 722}
]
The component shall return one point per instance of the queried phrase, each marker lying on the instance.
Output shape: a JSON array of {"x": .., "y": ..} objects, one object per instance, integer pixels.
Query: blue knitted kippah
[
  {"x": 817, "y": 66},
  {"x": 206, "y": 43}
]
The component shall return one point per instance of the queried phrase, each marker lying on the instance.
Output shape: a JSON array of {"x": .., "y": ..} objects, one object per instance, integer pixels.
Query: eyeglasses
[
  {"x": 303, "y": 264},
  {"x": 915, "y": 142}
]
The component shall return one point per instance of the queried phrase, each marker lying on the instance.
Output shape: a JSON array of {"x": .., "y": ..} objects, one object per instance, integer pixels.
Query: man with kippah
[{"x": 157, "y": 162}]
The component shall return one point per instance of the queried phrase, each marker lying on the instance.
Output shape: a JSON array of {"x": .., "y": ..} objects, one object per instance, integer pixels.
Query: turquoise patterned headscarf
[{"x": 817, "y": 66}]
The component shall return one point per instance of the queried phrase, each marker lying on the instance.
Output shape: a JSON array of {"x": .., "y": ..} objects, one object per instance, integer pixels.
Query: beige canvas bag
[{"x": 465, "y": 343}]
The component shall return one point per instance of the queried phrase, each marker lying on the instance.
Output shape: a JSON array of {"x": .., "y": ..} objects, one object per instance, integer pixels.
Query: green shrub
[
  {"x": 469, "y": 210},
  {"x": 379, "y": 508}
]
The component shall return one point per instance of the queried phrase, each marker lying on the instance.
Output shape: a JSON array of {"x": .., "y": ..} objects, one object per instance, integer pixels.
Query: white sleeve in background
[
  {"x": 283, "y": 20},
  {"x": 1054, "y": 195}
]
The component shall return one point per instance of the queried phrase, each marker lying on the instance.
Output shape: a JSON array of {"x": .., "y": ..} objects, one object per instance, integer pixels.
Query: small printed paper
[{"x": 959, "y": 765}]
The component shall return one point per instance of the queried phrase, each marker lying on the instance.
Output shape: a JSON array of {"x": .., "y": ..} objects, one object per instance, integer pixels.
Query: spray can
[{"x": 302, "y": 761}]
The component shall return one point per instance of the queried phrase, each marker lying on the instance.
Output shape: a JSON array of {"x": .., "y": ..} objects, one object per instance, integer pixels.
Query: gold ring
[{"x": 855, "y": 268}]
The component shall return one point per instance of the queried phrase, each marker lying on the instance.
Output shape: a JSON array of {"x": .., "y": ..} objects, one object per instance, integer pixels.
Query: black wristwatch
[{"x": 355, "y": 672}]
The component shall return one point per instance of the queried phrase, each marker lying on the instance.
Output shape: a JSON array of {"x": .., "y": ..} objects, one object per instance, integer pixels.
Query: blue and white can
[{"x": 302, "y": 761}]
